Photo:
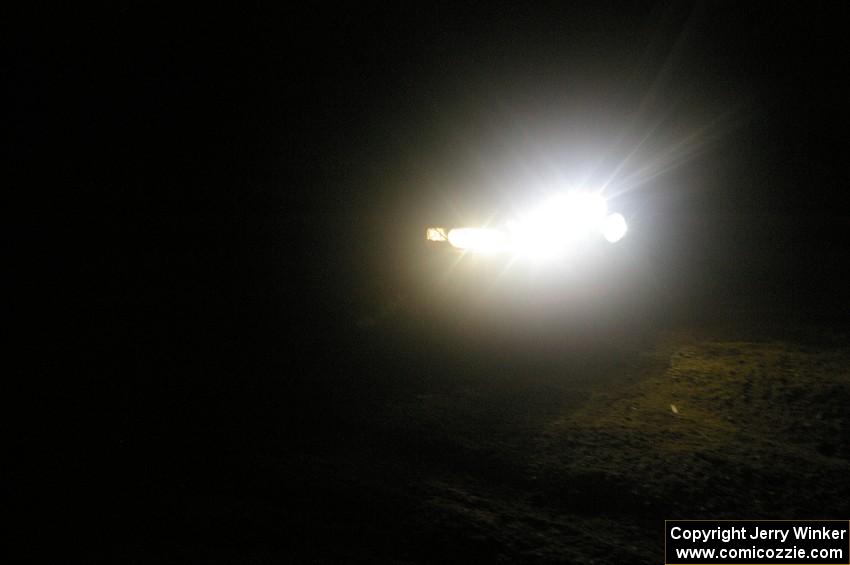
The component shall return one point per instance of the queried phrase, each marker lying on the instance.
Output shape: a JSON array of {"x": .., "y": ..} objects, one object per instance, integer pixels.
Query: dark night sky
[
  {"x": 235, "y": 152},
  {"x": 290, "y": 100}
]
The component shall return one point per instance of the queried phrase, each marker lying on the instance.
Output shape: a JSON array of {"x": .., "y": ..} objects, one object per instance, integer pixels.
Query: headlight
[
  {"x": 479, "y": 240},
  {"x": 436, "y": 234},
  {"x": 553, "y": 229},
  {"x": 614, "y": 228}
]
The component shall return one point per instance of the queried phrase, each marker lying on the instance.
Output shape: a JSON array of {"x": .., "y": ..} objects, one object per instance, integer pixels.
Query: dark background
[{"x": 201, "y": 203}]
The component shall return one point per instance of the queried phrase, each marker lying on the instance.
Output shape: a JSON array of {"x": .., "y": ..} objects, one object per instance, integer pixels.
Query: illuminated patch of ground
[
  {"x": 727, "y": 429},
  {"x": 701, "y": 429}
]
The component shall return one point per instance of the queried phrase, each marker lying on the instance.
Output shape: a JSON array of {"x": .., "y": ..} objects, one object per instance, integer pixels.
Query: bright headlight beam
[
  {"x": 478, "y": 240},
  {"x": 558, "y": 226}
]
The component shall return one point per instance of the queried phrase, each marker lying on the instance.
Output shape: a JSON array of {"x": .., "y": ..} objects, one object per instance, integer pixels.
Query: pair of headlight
[{"x": 548, "y": 231}]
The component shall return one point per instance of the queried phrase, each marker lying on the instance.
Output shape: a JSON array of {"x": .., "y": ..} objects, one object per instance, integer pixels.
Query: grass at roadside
[{"x": 706, "y": 428}]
